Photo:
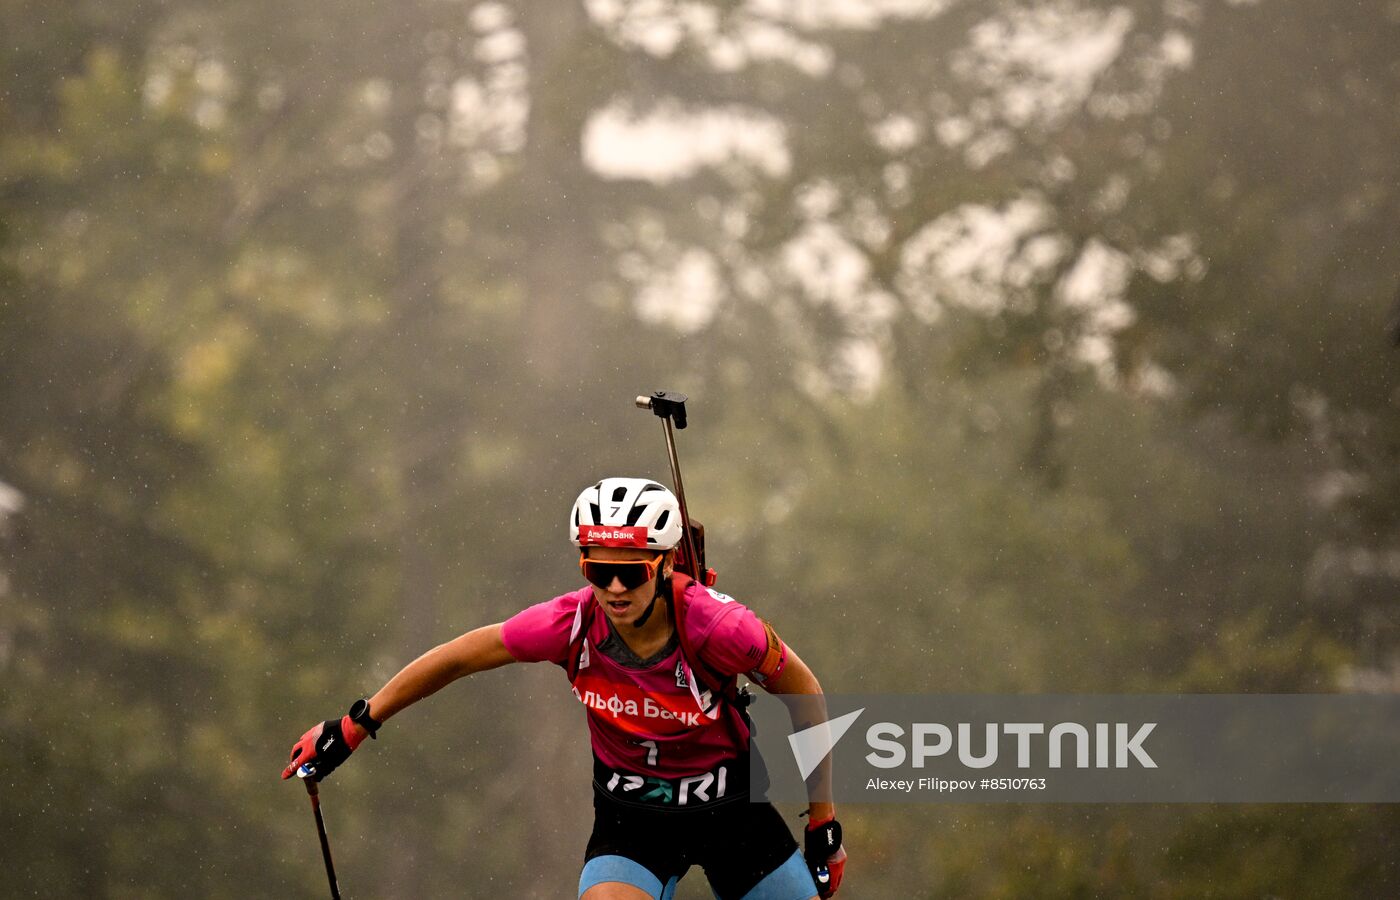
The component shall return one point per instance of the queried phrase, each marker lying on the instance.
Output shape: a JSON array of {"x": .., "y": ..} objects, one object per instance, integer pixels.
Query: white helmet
[{"x": 626, "y": 512}]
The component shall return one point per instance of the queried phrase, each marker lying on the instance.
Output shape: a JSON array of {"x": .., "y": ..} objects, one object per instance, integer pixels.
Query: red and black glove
[
  {"x": 825, "y": 856},
  {"x": 324, "y": 747}
]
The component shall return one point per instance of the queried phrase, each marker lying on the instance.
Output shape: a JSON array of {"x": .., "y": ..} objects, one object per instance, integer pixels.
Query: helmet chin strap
[{"x": 646, "y": 613}]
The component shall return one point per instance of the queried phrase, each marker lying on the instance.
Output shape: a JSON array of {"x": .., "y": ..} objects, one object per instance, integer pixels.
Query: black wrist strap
[{"x": 360, "y": 715}]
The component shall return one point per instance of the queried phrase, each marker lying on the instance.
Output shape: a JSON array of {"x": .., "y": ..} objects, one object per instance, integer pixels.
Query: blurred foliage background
[{"x": 1032, "y": 346}]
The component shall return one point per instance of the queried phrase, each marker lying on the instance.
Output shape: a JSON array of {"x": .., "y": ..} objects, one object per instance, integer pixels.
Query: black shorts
[{"x": 736, "y": 843}]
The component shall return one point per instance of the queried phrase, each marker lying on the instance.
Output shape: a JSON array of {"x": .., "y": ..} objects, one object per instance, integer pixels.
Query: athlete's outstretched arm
[
  {"x": 475, "y": 651},
  {"x": 325, "y": 746},
  {"x": 799, "y": 689}
]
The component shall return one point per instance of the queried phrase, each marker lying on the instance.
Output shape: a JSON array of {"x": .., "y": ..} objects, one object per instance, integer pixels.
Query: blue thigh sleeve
[
  {"x": 790, "y": 881},
  {"x": 601, "y": 869}
]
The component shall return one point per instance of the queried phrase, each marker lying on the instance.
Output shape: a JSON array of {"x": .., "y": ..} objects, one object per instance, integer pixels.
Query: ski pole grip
[{"x": 666, "y": 405}]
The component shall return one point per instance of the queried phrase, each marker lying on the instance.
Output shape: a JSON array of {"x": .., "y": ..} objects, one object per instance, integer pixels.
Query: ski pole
[
  {"x": 668, "y": 406},
  {"x": 315, "y": 793}
]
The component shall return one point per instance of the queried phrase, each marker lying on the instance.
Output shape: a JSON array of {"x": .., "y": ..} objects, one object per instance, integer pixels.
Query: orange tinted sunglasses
[{"x": 631, "y": 572}]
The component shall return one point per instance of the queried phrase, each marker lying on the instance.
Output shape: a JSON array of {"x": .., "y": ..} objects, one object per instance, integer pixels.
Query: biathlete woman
[{"x": 657, "y": 673}]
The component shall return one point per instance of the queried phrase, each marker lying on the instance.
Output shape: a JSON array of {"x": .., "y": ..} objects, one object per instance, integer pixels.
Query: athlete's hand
[
  {"x": 324, "y": 747},
  {"x": 825, "y": 855}
]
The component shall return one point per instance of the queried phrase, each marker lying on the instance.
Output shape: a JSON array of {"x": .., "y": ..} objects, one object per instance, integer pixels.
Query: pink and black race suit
[{"x": 658, "y": 735}]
